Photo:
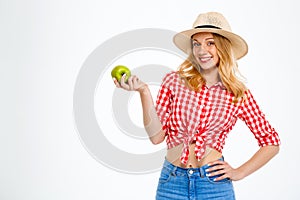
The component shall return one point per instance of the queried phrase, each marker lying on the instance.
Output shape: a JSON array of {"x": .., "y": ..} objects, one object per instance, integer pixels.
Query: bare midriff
[{"x": 174, "y": 154}]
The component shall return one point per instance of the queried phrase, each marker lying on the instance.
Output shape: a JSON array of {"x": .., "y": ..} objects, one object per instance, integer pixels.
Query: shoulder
[
  {"x": 248, "y": 94},
  {"x": 171, "y": 77},
  {"x": 249, "y": 98}
]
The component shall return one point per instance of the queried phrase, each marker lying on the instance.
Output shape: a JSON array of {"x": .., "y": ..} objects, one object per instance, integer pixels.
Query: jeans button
[{"x": 191, "y": 171}]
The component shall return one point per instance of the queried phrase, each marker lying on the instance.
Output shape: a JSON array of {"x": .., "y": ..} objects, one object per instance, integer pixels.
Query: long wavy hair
[{"x": 189, "y": 70}]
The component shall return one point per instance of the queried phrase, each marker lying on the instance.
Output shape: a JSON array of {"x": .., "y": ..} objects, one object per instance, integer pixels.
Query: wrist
[
  {"x": 240, "y": 174},
  {"x": 143, "y": 89}
]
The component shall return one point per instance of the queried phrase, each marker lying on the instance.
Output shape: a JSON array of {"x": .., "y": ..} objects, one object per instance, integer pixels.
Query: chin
[{"x": 205, "y": 67}]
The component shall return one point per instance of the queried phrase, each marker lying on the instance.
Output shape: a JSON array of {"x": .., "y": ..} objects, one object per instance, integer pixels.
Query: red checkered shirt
[{"x": 207, "y": 116}]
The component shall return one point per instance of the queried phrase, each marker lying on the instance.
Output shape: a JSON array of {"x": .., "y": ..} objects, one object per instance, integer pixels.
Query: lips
[{"x": 205, "y": 59}]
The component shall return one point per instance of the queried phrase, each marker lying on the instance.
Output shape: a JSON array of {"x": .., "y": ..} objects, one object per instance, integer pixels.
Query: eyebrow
[{"x": 205, "y": 39}]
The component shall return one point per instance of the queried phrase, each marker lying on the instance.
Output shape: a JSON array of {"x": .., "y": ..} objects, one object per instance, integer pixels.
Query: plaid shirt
[{"x": 207, "y": 116}]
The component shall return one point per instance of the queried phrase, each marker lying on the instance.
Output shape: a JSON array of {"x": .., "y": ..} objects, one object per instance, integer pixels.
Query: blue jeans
[{"x": 176, "y": 183}]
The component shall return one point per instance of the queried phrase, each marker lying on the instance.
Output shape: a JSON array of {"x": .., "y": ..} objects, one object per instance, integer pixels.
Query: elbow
[
  {"x": 277, "y": 149},
  {"x": 156, "y": 141},
  {"x": 158, "y": 138},
  {"x": 273, "y": 149}
]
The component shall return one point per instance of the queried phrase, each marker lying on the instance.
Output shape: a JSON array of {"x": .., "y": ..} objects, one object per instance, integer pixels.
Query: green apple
[{"x": 118, "y": 71}]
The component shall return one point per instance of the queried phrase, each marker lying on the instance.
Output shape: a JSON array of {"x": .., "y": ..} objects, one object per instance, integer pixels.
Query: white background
[{"x": 43, "y": 45}]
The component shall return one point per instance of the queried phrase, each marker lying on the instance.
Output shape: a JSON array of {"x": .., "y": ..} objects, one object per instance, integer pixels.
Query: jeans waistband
[{"x": 186, "y": 171}]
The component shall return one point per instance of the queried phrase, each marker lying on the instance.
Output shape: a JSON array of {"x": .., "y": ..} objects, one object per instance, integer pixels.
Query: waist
[
  {"x": 174, "y": 154},
  {"x": 186, "y": 171}
]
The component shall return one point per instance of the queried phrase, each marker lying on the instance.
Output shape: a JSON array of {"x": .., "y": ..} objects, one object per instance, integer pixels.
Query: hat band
[{"x": 208, "y": 26}]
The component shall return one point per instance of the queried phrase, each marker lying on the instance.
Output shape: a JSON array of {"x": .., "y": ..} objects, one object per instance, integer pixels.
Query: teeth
[{"x": 205, "y": 59}]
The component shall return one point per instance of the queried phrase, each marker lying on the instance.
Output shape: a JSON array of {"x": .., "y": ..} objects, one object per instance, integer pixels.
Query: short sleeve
[
  {"x": 255, "y": 119},
  {"x": 164, "y": 99}
]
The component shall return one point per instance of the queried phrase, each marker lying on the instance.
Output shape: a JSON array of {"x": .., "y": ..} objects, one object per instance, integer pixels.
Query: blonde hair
[{"x": 189, "y": 70}]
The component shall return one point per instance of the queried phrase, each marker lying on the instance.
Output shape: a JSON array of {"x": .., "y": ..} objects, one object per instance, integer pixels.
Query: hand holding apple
[
  {"x": 128, "y": 82},
  {"x": 118, "y": 71}
]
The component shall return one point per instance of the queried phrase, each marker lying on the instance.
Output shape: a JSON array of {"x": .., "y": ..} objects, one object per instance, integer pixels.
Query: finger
[
  {"x": 216, "y": 173},
  {"x": 130, "y": 82},
  {"x": 216, "y": 162},
  {"x": 134, "y": 79},
  {"x": 116, "y": 82},
  {"x": 216, "y": 167},
  {"x": 123, "y": 84},
  {"x": 135, "y": 82},
  {"x": 221, "y": 177}
]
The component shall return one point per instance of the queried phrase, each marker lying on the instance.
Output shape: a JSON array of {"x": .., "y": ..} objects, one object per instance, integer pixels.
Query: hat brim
[{"x": 183, "y": 40}]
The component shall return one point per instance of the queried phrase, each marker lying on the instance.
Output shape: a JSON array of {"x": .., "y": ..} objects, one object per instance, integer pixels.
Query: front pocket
[
  {"x": 211, "y": 179},
  {"x": 165, "y": 175}
]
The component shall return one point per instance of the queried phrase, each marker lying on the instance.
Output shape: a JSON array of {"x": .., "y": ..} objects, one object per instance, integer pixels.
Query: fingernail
[{"x": 207, "y": 174}]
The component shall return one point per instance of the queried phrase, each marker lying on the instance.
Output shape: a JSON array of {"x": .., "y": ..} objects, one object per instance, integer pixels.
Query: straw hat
[{"x": 212, "y": 22}]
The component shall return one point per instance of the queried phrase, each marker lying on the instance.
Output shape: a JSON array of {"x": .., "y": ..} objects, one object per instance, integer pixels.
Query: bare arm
[
  {"x": 151, "y": 121},
  {"x": 259, "y": 159}
]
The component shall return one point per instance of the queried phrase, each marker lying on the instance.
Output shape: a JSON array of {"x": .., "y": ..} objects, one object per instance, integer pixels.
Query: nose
[{"x": 202, "y": 49}]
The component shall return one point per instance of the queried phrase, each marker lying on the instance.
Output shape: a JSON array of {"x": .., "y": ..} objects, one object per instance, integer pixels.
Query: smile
[{"x": 205, "y": 59}]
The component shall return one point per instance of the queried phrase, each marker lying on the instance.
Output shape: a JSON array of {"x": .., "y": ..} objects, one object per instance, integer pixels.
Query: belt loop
[
  {"x": 201, "y": 172},
  {"x": 173, "y": 173}
]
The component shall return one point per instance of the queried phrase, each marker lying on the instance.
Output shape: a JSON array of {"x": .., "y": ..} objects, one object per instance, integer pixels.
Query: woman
[{"x": 197, "y": 106}]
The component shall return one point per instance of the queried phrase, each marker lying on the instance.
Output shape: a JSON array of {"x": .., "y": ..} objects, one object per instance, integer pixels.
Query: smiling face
[{"x": 205, "y": 51}]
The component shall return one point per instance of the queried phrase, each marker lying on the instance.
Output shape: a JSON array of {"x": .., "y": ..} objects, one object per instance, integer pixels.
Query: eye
[
  {"x": 196, "y": 44},
  {"x": 210, "y": 43}
]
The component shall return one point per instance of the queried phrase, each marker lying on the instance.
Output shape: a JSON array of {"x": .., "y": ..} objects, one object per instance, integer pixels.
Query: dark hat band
[{"x": 208, "y": 26}]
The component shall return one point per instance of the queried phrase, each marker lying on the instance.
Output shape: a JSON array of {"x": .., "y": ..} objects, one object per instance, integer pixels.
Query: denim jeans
[{"x": 176, "y": 183}]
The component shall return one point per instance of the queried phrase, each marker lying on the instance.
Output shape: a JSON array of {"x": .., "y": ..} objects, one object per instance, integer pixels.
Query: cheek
[
  {"x": 217, "y": 59},
  {"x": 216, "y": 56},
  {"x": 194, "y": 51}
]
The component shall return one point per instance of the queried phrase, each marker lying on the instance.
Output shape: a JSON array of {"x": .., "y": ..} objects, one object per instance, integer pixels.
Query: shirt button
[{"x": 191, "y": 171}]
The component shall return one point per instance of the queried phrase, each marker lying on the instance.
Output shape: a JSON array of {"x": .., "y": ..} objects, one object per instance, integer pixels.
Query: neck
[{"x": 211, "y": 76}]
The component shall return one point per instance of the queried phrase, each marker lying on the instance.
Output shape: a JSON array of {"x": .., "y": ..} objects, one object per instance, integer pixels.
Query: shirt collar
[{"x": 219, "y": 84}]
